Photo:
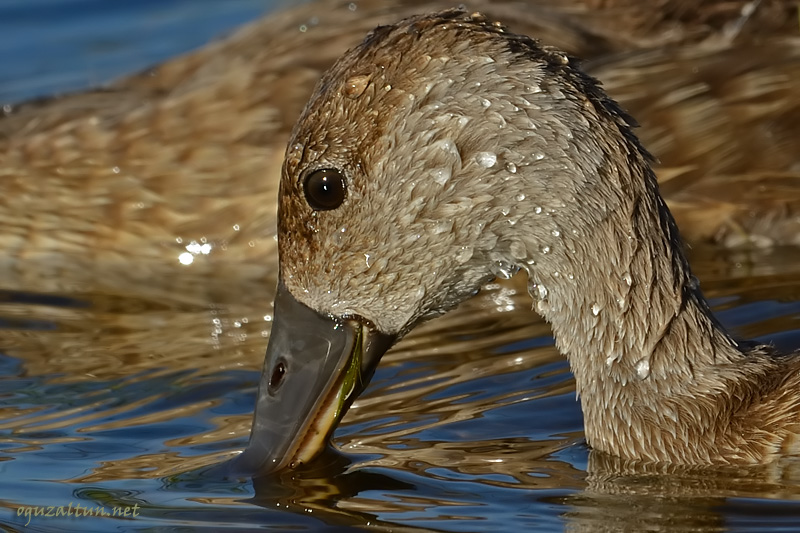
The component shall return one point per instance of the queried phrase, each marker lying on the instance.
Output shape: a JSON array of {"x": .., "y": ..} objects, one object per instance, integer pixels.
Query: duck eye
[{"x": 325, "y": 189}]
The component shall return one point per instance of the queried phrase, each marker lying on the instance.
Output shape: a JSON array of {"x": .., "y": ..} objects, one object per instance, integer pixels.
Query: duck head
[{"x": 411, "y": 179}]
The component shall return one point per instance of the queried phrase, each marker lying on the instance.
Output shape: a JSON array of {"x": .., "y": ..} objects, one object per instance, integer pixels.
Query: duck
[{"x": 445, "y": 151}]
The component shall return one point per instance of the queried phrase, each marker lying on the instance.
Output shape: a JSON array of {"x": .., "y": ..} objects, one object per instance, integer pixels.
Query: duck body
[{"x": 466, "y": 152}]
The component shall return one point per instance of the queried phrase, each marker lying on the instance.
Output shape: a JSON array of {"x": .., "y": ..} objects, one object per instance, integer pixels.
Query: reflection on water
[{"x": 121, "y": 399}]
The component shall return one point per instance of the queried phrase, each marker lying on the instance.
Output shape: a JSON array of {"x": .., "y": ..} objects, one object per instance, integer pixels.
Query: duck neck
[{"x": 614, "y": 284}]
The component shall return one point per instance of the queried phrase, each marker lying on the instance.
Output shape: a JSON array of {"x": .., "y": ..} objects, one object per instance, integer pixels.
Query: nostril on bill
[{"x": 276, "y": 379}]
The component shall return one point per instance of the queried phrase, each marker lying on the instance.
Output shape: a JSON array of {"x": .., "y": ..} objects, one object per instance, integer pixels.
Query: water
[
  {"x": 54, "y": 46},
  {"x": 118, "y": 397},
  {"x": 470, "y": 424}
]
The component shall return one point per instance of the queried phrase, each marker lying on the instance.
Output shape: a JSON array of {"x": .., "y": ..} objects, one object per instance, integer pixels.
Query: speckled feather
[{"x": 470, "y": 150}]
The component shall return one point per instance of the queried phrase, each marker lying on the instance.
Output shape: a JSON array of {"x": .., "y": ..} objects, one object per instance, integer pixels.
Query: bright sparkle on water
[
  {"x": 196, "y": 248},
  {"x": 192, "y": 249}
]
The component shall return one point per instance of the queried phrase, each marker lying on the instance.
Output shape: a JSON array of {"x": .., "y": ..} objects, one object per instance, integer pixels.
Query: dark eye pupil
[{"x": 325, "y": 189}]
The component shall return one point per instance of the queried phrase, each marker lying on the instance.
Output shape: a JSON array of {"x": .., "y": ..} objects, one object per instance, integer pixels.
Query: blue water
[
  {"x": 53, "y": 46},
  {"x": 118, "y": 399}
]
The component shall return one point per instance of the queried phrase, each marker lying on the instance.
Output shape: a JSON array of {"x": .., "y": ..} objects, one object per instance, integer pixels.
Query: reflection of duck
[
  {"x": 187, "y": 149},
  {"x": 444, "y": 151}
]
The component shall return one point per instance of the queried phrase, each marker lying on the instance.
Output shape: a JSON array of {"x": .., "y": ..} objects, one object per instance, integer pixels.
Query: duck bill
[{"x": 315, "y": 366}]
